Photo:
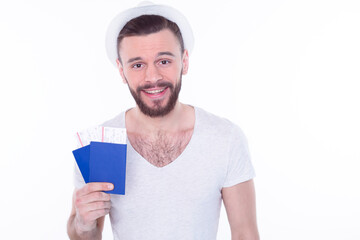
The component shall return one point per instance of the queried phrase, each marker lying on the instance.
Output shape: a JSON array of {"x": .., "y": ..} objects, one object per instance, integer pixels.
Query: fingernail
[{"x": 110, "y": 186}]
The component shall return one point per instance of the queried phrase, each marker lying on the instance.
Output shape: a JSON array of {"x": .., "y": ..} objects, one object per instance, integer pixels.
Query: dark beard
[{"x": 157, "y": 110}]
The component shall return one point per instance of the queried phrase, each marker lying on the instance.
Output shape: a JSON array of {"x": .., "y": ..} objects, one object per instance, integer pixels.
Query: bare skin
[
  {"x": 239, "y": 202},
  {"x": 90, "y": 205},
  {"x": 161, "y": 146}
]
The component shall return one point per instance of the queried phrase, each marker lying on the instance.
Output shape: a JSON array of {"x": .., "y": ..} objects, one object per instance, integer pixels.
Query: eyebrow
[
  {"x": 134, "y": 59},
  {"x": 165, "y": 53},
  {"x": 158, "y": 55}
]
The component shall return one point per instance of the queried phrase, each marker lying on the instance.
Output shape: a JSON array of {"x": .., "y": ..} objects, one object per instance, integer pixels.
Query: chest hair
[{"x": 161, "y": 149}]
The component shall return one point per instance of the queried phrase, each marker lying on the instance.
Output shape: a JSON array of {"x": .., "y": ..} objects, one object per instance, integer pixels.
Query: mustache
[{"x": 155, "y": 85}]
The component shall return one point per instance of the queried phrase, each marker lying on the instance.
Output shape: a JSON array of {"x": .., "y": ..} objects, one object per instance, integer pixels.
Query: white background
[{"x": 287, "y": 72}]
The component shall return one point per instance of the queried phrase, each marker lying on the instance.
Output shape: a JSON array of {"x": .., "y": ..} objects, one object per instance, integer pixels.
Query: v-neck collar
[{"x": 175, "y": 161}]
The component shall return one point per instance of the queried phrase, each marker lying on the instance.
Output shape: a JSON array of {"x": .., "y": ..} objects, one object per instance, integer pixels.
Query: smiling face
[{"x": 152, "y": 65}]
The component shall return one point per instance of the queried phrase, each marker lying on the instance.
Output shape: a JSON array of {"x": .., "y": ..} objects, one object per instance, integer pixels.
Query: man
[{"x": 181, "y": 160}]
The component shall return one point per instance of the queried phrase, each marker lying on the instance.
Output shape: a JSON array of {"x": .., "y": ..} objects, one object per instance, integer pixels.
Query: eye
[
  {"x": 164, "y": 62},
  {"x": 137, "y": 65}
]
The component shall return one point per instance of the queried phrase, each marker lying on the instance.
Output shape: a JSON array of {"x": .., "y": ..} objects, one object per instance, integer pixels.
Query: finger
[
  {"x": 93, "y": 197},
  {"x": 93, "y": 206},
  {"x": 94, "y": 187},
  {"x": 93, "y": 216}
]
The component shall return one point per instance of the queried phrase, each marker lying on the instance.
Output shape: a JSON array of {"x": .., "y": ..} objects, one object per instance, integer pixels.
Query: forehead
[{"x": 149, "y": 45}]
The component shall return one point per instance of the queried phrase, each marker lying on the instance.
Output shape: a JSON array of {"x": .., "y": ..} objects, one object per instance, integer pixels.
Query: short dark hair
[{"x": 147, "y": 24}]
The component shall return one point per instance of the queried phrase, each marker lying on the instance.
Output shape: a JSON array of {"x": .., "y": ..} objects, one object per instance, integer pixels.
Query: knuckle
[
  {"x": 90, "y": 187},
  {"x": 77, "y": 193},
  {"x": 78, "y": 201},
  {"x": 105, "y": 211},
  {"x": 100, "y": 195},
  {"x": 106, "y": 196},
  {"x": 100, "y": 205},
  {"x": 107, "y": 205}
]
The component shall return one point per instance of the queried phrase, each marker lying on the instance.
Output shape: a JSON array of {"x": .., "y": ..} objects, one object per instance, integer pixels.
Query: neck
[{"x": 174, "y": 121}]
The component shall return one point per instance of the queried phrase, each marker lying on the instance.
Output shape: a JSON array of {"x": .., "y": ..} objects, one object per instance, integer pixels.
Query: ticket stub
[{"x": 101, "y": 134}]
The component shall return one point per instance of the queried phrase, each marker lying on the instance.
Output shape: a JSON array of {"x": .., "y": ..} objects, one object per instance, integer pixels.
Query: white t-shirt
[{"x": 181, "y": 200}]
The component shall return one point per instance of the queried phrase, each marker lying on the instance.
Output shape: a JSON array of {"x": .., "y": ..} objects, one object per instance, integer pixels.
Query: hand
[{"x": 91, "y": 203}]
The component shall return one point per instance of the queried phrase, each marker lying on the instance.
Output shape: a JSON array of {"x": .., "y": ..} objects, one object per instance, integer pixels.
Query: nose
[{"x": 152, "y": 74}]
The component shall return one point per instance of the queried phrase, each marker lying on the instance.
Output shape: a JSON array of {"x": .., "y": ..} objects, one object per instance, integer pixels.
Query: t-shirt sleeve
[
  {"x": 240, "y": 168},
  {"x": 77, "y": 177}
]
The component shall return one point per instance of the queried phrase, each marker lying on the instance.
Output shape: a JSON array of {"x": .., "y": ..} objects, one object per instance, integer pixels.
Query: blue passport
[{"x": 103, "y": 162}]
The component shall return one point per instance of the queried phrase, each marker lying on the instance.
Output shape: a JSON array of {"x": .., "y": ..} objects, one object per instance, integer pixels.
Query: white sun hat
[{"x": 146, "y": 8}]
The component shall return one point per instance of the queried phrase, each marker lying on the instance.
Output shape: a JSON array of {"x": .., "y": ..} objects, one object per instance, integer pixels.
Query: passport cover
[
  {"x": 82, "y": 157},
  {"x": 103, "y": 162}
]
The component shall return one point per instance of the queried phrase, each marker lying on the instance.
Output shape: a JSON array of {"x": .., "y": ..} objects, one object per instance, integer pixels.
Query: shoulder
[
  {"x": 210, "y": 122},
  {"x": 116, "y": 122}
]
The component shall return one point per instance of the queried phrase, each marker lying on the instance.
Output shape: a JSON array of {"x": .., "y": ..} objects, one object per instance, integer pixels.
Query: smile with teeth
[{"x": 154, "y": 91}]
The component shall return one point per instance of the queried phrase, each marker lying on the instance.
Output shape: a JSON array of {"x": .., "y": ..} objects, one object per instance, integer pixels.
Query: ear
[
  {"x": 185, "y": 62},
  {"x": 121, "y": 70}
]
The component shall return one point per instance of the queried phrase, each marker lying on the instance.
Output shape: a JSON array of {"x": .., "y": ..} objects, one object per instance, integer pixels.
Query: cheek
[
  {"x": 171, "y": 73},
  {"x": 133, "y": 77}
]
